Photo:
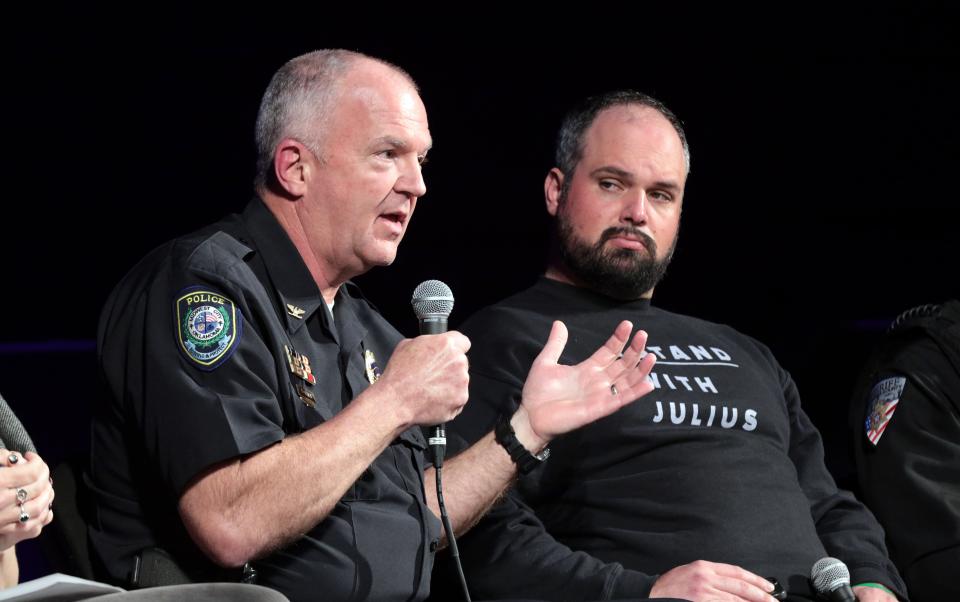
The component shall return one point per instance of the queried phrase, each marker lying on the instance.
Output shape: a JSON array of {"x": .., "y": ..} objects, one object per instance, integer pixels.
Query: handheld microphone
[
  {"x": 12, "y": 434},
  {"x": 831, "y": 580},
  {"x": 432, "y": 303}
]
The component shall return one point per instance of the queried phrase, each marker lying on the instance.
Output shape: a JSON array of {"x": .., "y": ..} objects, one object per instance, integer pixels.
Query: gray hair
[
  {"x": 299, "y": 99},
  {"x": 575, "y": 124}
]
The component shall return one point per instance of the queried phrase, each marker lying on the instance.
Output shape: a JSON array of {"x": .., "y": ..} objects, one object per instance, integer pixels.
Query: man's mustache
[{"x": 645, "y": 238}]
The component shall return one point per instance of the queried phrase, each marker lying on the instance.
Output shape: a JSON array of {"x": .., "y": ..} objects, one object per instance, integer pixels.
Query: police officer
[
  {"x": 906, "y": 415},
  {"x": 260, "y": 413}
]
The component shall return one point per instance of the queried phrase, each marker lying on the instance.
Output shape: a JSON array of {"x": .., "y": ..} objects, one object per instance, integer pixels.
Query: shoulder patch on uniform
[
  {"x": 208, "y": 326},
  {"x": 884, "y": 398}
]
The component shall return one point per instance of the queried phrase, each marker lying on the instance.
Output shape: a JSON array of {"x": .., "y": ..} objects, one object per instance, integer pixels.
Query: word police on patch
[{"x": 208, "y": 327}]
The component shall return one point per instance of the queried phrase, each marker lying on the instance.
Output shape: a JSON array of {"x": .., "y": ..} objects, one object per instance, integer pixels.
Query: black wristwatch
[{"x": 524, "y": 460}]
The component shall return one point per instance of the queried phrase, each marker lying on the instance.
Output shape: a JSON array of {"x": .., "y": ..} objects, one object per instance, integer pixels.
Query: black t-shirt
[
  {"x": 719, "y": 462},
  {"x": 217, "y": 345}
]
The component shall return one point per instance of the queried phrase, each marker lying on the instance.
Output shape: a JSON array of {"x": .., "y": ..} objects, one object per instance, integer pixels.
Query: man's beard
[{"x": 624, "y": 274}]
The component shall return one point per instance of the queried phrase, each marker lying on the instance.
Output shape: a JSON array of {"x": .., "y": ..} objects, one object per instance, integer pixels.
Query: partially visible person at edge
[
  {"x": 906, "y": 419},
  {"x": 26, "y": 504}
]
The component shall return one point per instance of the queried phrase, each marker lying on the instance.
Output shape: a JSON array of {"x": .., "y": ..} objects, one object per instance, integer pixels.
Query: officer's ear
[
  {"x": 292, "y": 162},
  {"x": 552, "y": 188}
]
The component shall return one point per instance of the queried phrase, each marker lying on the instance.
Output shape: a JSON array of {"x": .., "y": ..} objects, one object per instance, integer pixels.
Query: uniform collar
[
  {"x": 299, "y": 295},
  {"x": 298, "y": 292}
]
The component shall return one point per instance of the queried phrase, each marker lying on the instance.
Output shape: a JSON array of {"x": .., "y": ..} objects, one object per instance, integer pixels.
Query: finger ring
[
  {"x": 613, "y": 389},
  {"x": 13, "y": 458},
  {"x": 21, "y": 495},
  {"x": 24, "y": 517}
]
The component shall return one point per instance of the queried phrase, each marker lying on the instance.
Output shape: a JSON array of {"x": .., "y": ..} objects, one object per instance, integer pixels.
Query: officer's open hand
[
  {"x": 428, "y": 377},
  {"x": 558, "y": 399}
]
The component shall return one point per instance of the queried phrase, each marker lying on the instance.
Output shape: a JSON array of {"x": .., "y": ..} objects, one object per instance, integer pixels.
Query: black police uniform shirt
[
  {"x": 202, "y": 349},
  {"x": 718, "y": 463},
  {"x": 906, "y": 423}
]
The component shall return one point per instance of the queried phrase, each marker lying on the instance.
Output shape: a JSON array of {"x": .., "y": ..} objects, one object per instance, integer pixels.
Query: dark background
[{"x": 820, "y": 203}]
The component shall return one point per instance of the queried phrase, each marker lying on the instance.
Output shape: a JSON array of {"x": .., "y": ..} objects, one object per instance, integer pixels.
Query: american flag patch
[{"x": 884, "y": 398}]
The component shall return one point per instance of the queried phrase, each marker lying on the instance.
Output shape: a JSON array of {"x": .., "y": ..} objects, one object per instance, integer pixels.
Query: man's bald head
[{"x": 299, "y": 99}]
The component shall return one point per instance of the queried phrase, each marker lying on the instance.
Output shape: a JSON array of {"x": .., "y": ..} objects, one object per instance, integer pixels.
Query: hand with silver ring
[
  {"x": 558, "y": 398},
  {"x": 26, "y": 497}
]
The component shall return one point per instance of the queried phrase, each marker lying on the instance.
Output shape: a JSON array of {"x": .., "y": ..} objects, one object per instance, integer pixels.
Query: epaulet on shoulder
[
  {"x": 228, "y": 244},
  {"x": 913, "y": 316},
  {"x": 211, "y": 250}
]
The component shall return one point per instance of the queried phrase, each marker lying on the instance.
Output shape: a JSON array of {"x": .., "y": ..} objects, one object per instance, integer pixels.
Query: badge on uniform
[
  {"x": 884, "y": 398},
  {"x": 370, "y": 363},
  {"x": 208, "y": 326}
]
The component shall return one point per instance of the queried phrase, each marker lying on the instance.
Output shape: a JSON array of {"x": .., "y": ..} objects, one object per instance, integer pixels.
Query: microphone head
[
  {"x": 829, "y": 574},
  {"x": 432, "y": 299},
  {"x": 12, "y": 434}
]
